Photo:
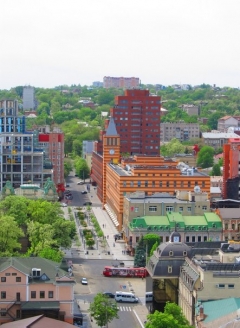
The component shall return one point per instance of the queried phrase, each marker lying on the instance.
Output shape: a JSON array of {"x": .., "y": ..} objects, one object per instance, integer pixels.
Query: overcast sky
[{"x": 45, "y": 43}]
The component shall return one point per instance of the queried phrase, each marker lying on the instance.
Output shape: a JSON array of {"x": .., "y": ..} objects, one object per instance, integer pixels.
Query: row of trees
[{"x": 40, "y": 222}]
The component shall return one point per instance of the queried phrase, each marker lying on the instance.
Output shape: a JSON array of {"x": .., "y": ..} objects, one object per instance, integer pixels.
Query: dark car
[
  {"x": 69, "y": 197},
  {"x": 87, "y": 203},
  {"x": 84, "y": 192},
  {"x": 67, "y": 185},
  {"x": 109, "y": 294}
]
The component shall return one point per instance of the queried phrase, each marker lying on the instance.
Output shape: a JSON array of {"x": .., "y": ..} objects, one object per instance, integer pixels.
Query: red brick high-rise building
[{"x": 137, "y": 119}]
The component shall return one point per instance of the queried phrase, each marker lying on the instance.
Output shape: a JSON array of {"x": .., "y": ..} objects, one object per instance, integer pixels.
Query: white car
[
  {"x": 80, "y": 182},
  {"x": 63, "y": 204},
  {"x": 84, "y": 281}
]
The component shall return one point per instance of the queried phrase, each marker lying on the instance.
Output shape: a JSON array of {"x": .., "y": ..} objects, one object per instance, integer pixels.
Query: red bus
[{"x": 110, "y": 271}]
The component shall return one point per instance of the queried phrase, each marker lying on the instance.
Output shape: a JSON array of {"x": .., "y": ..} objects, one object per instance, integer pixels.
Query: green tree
[
  {"x": 103, "y": 309},
  {"x": 149, "y": 240},
  {"x": 17, "y": 207},
  {"x": 172, "y": 317},
  {"x": 172, "y": 148},
  {"x": 51, "y": 254},
  {"x": 67, "y": 167},
  {"x": 140, "y": 254},
  {"x": 81, "y": 167},
  {"x": 155, "y": 246},
  {"x": 40, "y": 237},
  {"x": 216, "y": 170},
  {"x": 9, "y": 236},
  {"x": 205, "y": 157}
]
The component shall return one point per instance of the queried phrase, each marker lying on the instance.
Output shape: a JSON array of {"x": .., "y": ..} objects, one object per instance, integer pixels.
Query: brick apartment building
[{"x": 120, "y": 82}]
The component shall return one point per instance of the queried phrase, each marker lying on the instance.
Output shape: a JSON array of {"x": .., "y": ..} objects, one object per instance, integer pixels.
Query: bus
[{"x": 111, "y": 271}]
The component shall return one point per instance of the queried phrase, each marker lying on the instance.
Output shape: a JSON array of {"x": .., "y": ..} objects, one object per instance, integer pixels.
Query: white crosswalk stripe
[{"x": 124, "y": 308}]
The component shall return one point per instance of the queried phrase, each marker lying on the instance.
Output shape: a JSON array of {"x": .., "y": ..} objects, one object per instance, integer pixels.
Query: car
[
  {"x": 80, "y": 182},
  {"x": 84, "y": 192},
  {"x": 84, "y": 281},
  {"x": 67, "y": 191},
  {"x": 87, "y": 203},
  {"x": 67, "y": 186},
  {"x": 109, "y": 294},
  {"x": 63, "y": 204},
  {"x": 69, "y": 197}
]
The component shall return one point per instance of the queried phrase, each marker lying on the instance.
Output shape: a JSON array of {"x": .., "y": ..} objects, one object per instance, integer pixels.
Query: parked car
[
  {"x": 63, "y": 204},
  {"x": 69, "y": 197},
  {"x": 109, "y": 294},
  {"x": 84, "y": 192},
  {"x": 80, "y": 182},
  {"x": 84, "y": 281},
  {"x": 87, "y": 203},
  {"x": 67, "y": 186}
]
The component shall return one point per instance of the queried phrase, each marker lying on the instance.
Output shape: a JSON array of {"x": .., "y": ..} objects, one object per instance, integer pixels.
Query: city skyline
[{"x": 46, "y": 44}]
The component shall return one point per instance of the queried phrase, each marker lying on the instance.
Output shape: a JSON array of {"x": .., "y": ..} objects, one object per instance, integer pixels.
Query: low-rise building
[
  {"x": 217, "y": 139},
  {"x": 191, "y": 109},
  {"x": 34, "y": 286},
  {"x": 226, "y": 122}
]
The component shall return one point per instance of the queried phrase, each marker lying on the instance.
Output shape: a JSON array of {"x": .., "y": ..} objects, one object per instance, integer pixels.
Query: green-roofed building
[{"x": 191, "y": 228}]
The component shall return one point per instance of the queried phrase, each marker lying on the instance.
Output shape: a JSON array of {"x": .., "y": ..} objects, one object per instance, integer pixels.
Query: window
[
  {"x": 3, "y": 295},
  {"x": 187, "y": 239},
  {"x": 14, "y": 274},
  {"x": 139, "y": 183},
  {"x": 146, "y": 183},
  {"x": 152, "y": 208},
  {"x": 3, "y": 312},
  {"x": 169, "y": 208},
  {"x": 233, "y": 226},
  {"x": 33, "y": 294},
  {"x": 50, "y": 294},
  {"x": 204, "y": 208},
  {"x": 7, "y": 274},
  {"x": 189, "y": 209},
  {"x": 180, "y": 209},
  {"x": 124, "y": 184},
  {"x": 193, "y": 239},
  {"x": 221, "y": 286},
  {"x": 169, "y": 269},
  {"x": 18, "y": 279},
  {"x": 231, "y": 286},
  {"x": 3, "y": 279},
  {"x": 167, "y": 184},
  {"x": 42, "y": 294},
  {"x": 136, "y": 209},
  {"x": 132, "y": 184}
]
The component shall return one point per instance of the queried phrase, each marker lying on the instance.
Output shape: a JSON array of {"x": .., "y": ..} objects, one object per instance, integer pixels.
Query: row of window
[
  {"x": 4, "y": 279},
  {"x": 33, "y": 294},
  {"x": 153, "y": 208},
  {"x": 161, "y": 184}
]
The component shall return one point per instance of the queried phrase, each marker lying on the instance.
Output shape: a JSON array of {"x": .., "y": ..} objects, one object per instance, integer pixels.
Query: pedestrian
[
  {"x": 142, "y": 277},
  {"x": 122, "y": 252}
]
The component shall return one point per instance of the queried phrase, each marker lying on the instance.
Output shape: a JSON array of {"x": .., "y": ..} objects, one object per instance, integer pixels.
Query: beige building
[
  {"x": 191, "y": 109},
  {"x": 188, "y": 159},
  {"x": 228, "y": 122},
  {"x": 179, "y": 130},
  {"x": 34, "y": 286},
  {"x": 209, "y": 277},
  {"x": 217, "y": 139}
]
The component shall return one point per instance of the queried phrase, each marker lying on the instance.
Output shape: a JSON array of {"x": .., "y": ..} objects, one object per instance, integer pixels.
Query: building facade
[
  {"x": 217, "y": 139},
  {"x": 179, "y": 130},
  {"x": 120, "y": 82},
  {"x": 226, "y": 122},
  {"x": 191, "y": 109},
  {"x": 137, "y": 119},
  {"x": 29, "y": 102},
  {"x": 33, "y": 286}
]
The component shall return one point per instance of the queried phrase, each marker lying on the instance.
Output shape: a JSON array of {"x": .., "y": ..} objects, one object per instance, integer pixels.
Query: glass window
[
  {"x": 50, "y": 294},
  {"x": 3, "y": 295},
  {"x": 152, "y": 208},
  {"x": 169, "y": 208},
  {"x": 139, "y": 183},
  {"x": 33, "y": 294},
  {"x": 3, "y": 279},
  {"x": 42, "y": 294},
  {"x": 204, "y": 208},
  {"x": 136, "y": 209},
  {"x": 18, "y": 279},
  {"x": 189, "y": 209},
  {"x": 181, "y": 209}
]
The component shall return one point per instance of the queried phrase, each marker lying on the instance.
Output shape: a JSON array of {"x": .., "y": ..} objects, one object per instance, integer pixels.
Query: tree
[
  {"x": 81, "y": 167},
  {"x": 172, "y": 317},
  {"x": 205, "y": 157},
  {"x": 140, "y": 254},
  {"x": 150, "y": 239},
  {"x": 172, "y": 148},
  {"x": 9, "y": 236},
  {"x": 216, "y": 170},
  {"x": 103, "y": 309}
]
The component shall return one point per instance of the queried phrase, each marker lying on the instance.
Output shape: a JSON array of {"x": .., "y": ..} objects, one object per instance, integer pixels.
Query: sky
[{"x": 47, "y": 43}]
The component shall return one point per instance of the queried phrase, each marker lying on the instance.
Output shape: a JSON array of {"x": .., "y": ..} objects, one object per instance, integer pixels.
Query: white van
[
  {"x": 149, "y": 297},
  {"x": 125, "y": 297}
]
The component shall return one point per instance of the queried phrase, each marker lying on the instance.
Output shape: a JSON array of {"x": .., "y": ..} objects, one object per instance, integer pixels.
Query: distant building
[
  {"x": 217, "y": 139},
  {"x": 191, "y": 109},
  {"x": 226, "y": 122},
  {"x": 120, "y": 82},
  {"x": 29, "y": 101},
  {"x": 179, "y": 130},
  {"x": 97, "y": 84}
]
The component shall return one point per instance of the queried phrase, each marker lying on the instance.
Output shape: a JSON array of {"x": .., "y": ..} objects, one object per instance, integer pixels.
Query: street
[{"x": 92, "y": 268}]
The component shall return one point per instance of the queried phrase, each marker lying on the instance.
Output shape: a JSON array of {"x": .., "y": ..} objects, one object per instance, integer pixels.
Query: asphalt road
[{"x": 92, "y": 269}]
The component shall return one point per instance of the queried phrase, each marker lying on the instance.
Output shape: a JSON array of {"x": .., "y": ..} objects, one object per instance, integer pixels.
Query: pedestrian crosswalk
[{"x": 125, "y": 308}]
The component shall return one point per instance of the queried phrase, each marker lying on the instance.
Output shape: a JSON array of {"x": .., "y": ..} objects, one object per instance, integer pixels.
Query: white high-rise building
[{"x": 28, "y": 98}]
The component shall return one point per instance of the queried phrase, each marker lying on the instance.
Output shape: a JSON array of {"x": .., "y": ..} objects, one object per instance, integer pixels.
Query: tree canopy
[
  {"x": 171, "y": 148},
  {"x": 205, "y": 157},
  {"x": 172, "y": 317},
  {"x": 103, "y": 309}
]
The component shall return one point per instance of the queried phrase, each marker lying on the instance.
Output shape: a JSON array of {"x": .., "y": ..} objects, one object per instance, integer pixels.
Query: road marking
[{"x": 123, "y": 308}]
